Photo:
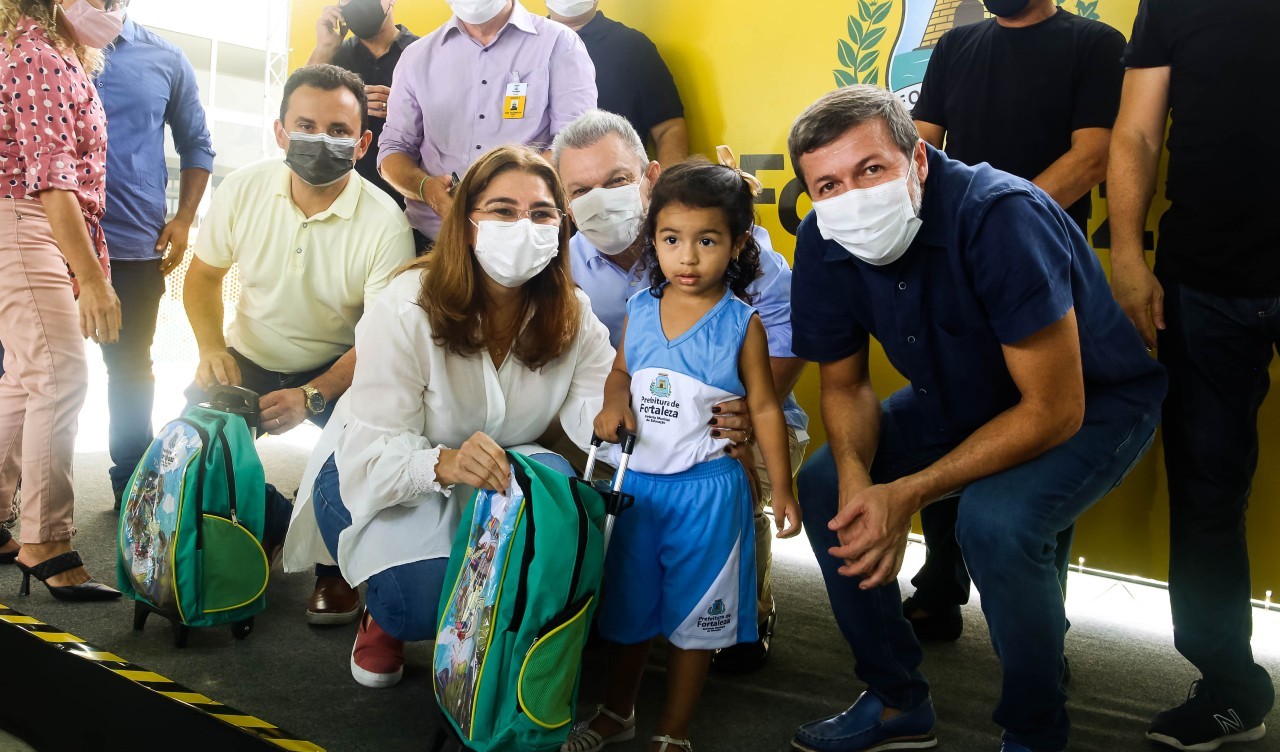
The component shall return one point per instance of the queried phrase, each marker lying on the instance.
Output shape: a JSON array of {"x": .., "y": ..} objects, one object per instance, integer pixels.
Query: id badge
[{"x": 514, "y": 101}]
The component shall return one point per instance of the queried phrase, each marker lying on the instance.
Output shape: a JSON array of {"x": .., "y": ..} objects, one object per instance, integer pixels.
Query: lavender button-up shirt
[{"x": 445, "y": 108}]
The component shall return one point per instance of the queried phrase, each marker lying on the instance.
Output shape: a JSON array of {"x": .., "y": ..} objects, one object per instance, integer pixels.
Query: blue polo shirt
[
  {"x": 610, "y": 287},
  {"x": 146, "y": 83},
  {"x": 995, "y": 261}
]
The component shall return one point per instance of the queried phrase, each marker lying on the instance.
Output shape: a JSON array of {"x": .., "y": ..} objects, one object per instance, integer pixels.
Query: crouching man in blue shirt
[{"x": 1030, "y": 398}]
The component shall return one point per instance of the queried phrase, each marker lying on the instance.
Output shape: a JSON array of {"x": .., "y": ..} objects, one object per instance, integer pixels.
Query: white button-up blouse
[{"x": 411, "y": 396}]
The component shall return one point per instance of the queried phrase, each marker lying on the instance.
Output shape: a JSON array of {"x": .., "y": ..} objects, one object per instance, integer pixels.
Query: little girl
[{"x": 681, "y": 562}]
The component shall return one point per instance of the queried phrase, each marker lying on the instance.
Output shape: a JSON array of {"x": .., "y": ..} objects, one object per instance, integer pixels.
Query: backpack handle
[{"x": 235, "y": 399}]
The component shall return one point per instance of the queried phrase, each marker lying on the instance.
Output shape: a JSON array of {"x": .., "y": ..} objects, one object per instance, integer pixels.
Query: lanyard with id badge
[{"x": 513, "y": 103}]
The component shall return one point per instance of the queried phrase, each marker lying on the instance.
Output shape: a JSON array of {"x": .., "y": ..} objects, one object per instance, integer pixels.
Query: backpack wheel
[
  {"x": 140, "y": 614},
  {"x": 242, "y": 629}
]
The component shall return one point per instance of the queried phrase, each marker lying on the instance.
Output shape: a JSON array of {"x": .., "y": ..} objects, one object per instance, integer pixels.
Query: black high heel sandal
[
  {"x": 12, "y": 556},
  {"x": 85, "y": 591}
]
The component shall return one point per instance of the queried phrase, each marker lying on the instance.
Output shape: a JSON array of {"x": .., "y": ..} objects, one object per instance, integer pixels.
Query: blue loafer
[{"x": 859, "y": 729}]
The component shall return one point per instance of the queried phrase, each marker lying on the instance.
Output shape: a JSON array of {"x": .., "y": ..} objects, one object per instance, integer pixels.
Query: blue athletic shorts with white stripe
[{"x": 682, "y": 560}]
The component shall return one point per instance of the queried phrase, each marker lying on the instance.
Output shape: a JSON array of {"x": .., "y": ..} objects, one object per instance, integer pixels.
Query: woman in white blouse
[{"x": 477, "y": 348}]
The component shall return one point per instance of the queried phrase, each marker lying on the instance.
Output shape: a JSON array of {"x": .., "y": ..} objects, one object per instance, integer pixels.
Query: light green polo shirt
[{"x": 305, "y": 281}]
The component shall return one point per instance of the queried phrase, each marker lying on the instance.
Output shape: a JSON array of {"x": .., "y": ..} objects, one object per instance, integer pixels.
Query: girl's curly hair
[{"x": 699, "y": 184}]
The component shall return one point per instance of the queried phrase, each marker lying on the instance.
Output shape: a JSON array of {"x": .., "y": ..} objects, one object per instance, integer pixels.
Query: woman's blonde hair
[
  {"x": 452, "y": 294},
  {"x": 53, "y": 22}
]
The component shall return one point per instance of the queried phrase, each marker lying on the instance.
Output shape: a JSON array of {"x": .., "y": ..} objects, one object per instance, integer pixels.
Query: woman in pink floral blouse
[{"x": 53, "y": 143}]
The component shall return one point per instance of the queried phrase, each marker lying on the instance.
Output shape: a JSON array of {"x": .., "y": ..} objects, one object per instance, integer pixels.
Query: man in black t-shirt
[
  {"x": 631, "y": 78},
  {"x": 371, "y": 52},
  {"x": 1033, "y": 92},
  {"x": 1213, "y": 308}
]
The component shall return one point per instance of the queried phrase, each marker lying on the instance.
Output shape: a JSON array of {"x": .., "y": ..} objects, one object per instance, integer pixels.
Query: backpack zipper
[
  {"x": 204, "y": 460},
  {"x": 522, "y": 594},
  {"x": 581, "y": 557},
  {"x": 231, "y": 473}
]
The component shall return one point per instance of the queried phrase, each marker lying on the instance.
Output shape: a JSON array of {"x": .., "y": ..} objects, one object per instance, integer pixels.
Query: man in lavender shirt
[{"x": 494, "y": 74}]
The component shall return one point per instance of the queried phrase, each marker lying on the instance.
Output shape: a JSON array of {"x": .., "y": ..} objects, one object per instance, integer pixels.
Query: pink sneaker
[{"x": 377, "y": 658}]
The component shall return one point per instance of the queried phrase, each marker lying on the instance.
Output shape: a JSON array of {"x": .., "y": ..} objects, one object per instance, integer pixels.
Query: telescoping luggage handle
[
  {"x": 237, "y": 400},
  {"x": 615, "y": 502}
]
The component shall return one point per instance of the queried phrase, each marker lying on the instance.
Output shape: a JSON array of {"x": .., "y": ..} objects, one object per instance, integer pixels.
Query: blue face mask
[{"x": 1006, "y": 8}]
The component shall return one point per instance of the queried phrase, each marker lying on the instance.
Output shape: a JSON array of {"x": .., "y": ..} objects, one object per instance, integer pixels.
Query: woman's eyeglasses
[{"x": 542, "y": 215}]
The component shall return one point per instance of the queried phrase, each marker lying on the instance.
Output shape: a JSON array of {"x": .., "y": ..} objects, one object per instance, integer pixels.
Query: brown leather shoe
[{"x": 333, "y": 602}]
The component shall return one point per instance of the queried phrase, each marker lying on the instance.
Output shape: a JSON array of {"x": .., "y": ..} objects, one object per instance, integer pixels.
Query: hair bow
[{"x": 728, "y": 160}]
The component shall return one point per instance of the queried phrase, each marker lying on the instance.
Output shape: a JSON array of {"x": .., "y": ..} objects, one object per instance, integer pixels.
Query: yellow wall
[{"x": 746, "y": 68}]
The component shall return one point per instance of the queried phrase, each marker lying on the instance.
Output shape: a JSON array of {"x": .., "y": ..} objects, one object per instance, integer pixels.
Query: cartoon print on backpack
[
  {"x": 151, "y": 517},
  {"x": 468, "y": 625}
]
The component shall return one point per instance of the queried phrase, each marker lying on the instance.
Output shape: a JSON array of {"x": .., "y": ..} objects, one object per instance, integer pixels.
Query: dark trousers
[
  {"x": 1008, "y": 528},
  {"x": 1216, "y": 350},
  {"x": 131, "y": 383},
  {"x": 422, "y": 244},
  {"x": 262, "y": 381}
]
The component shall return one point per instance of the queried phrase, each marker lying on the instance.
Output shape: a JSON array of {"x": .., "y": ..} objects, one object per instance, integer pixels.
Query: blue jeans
[
  {"x": 1007, "y": 527},
  {"x": 943, "y": 580},
  {"x": 404, "y": 599},
  {"x": 1216, "y": 350}
]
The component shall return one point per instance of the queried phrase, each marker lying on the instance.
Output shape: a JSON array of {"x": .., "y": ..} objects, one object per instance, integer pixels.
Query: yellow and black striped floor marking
[{"x": 72, "y": 645}]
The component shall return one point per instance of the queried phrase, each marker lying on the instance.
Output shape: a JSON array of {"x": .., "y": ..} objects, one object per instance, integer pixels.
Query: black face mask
[
  {"x": 364, "y": 17},
  {"x": 319, "y": 159},
  {"x": 1003, "y": 8}
]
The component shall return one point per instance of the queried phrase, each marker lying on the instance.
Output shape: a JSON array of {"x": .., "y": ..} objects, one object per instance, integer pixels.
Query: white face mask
[
  {"x": 610, "y": 217},
  {"x": 570, "y": 8},
  {"x": 477, "y": 11},
  {"x": 874, "y": 224},
  {"x": 90, "y": 26},
  {"x": 513, "y": 253}
]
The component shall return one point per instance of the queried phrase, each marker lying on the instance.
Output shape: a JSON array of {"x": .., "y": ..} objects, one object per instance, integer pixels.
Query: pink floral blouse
[{"x": 54, "y": 128}]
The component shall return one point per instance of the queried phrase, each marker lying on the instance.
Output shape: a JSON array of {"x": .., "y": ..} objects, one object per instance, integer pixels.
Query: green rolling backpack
[
  {"x": 192, "y": 518},
  {"x": 516, "y": 609}
]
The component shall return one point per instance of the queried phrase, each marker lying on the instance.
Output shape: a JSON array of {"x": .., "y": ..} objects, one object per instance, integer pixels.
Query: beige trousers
[
  {"x": 797, "y": 441},
  {"x": 45, "y": 373}
]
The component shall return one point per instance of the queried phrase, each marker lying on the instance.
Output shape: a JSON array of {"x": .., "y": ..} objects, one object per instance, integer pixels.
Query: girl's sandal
[
  {"x": 583, "y": 738},
  {"x": 667, "y": 741}
]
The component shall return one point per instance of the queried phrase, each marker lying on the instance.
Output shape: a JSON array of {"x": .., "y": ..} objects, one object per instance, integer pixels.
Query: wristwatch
[{"x": 315, "y": 401}]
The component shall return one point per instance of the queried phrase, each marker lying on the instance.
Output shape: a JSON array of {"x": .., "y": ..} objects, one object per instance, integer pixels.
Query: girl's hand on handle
[
  {"x": 479, "y": 463},
  {"x": 99, "y": 311},
  {"x": 607, "y": 422},
  {"x": 786, "y": 509}
]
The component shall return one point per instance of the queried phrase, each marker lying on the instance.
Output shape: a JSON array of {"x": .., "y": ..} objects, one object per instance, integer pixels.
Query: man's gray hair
[
  {"x": 835, "y": 113},
  {"x": 591, "y": 128}
]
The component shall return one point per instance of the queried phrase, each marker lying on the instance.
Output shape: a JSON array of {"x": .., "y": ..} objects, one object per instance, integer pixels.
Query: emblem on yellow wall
[
  {"x": 889, "y": 42},
  {"x": 1085, "y": 9}
]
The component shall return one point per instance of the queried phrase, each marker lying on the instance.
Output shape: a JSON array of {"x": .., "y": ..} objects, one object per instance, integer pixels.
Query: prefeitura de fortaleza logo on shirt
[
  {"x": 659, "y": 406},
  {"x": 661, "y": 386}
]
